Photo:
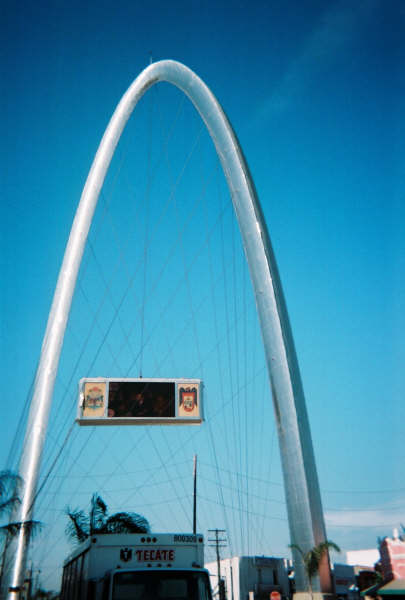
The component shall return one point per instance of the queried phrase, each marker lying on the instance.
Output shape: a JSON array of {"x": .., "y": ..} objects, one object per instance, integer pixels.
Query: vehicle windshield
[{"x": 161, "y": 585}]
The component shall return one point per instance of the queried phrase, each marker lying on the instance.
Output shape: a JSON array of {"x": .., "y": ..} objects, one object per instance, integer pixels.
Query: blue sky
[{"x": 315, "y": 92}]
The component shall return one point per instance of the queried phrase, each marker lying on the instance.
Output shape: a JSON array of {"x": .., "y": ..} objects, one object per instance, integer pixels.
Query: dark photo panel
[{"x": 148, "y": 399}]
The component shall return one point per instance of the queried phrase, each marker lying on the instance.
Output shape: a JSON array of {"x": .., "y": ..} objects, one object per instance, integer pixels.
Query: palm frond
[
  {"x": 78, "y": 528},
  {"x": 32, "y": 528},
  {"x": 98, "y": 513},
  {"x": 140, "y": 522},
  {"x": 9, "y": 481},
  {"x": 124, "y": 522},
  {"x": 81, "y": 526},
  {"x": 323, "y": 547},
  {"x": 296, "y": 547},
  {"x": 313, "y": 557},
  {"x": 8, "y": 504}
]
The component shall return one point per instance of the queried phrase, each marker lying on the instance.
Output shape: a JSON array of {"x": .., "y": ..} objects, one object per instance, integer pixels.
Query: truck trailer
[{"x": 133, "y": 566}]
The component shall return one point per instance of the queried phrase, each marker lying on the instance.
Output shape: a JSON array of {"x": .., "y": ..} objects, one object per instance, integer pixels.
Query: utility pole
[
  {"x": 30, "y": 582},
  {"x": 37, "y": 585},
  {"x": 219, "y": 543}
]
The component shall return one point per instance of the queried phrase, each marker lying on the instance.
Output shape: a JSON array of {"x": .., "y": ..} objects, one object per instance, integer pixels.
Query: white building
[
  {"x": 366, "y": 558},
  {"x": 251, "y": 577}
]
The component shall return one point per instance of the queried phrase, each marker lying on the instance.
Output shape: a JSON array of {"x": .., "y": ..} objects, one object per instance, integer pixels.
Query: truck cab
[{"x": 182, "y": 584}]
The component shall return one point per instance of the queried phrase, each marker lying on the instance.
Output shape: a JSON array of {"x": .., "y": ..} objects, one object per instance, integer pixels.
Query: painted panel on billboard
[
  {"x": 188, "y": 399},
  {"x": 94, "y": 401}
]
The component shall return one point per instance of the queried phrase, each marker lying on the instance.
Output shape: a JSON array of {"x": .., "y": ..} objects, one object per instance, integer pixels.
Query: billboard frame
[{"x": 105, "y": 419}]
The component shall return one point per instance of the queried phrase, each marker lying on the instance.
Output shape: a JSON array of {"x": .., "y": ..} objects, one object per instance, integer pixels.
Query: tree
[
  {"x": 8, "y": 492},
  {"x": 312, "y": 559},
  {"x": 81, "y": 526},
  {"x": 10, "y": 484}
]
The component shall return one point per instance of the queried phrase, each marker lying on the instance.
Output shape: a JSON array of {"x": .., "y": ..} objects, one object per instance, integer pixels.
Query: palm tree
[
  {"x": 312, "y": 559},
  {"x": 81, "y": 526},
  {"x": 10, "y": 484}
]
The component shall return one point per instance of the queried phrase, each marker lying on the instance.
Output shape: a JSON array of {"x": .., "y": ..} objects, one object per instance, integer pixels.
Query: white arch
[{"x": 300, "y": 478}]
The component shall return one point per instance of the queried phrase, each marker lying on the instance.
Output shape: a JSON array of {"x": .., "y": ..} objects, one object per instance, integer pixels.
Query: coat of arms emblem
[{"x": 188, "y": 399}]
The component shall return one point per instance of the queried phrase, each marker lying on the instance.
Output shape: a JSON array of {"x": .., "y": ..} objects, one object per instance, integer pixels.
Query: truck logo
[
  {"x": 155, "y": 554},
  {"x": 125, "y": 554}
]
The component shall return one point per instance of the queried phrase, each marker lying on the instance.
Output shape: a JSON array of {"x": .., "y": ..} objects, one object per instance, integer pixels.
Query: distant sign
[{"x": 107, "y": 401}]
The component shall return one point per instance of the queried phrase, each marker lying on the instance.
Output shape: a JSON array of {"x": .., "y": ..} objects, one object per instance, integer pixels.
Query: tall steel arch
[{"x": 300, "y": 478}]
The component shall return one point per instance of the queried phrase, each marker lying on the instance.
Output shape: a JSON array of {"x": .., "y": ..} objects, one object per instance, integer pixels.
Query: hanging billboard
[{"x": 110, "y": 401}]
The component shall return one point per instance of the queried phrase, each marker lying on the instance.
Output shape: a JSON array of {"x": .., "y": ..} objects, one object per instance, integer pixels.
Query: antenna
[{"x": 195, "y": 496}]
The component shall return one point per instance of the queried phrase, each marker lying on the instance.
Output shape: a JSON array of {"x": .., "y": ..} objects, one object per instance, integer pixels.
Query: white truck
[{"x": 133, "y": 566}]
